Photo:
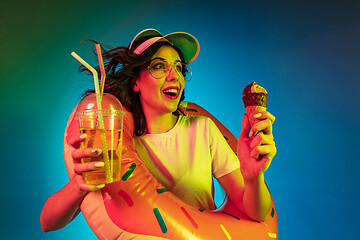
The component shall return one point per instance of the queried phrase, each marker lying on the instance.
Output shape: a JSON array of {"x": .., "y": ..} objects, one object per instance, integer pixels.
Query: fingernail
[
  {"x": 96, "y": 151},
  {"x": 257, "y": 115},
  {"x": 100, "y": 186},
  {"x": 99, "y": 164},
  {"x": 83, "y": 136}
]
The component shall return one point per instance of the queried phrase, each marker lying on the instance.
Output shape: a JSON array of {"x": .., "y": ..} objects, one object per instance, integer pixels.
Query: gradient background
[{"x": 306, "y": 54}]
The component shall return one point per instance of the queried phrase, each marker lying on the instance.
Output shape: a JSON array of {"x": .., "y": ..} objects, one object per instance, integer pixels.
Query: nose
[{"x": 173, "y": 75}]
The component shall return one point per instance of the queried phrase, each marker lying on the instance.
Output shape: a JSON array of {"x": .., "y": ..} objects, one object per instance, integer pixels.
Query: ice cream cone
[{"x": 255, "y": 100}]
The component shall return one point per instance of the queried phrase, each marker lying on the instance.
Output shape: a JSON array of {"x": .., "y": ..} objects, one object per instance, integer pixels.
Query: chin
[{"x": 173, "y": 107}]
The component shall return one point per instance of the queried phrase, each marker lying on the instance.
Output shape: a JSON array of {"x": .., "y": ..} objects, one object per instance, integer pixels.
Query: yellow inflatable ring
[{"x": 139, "y": 207}]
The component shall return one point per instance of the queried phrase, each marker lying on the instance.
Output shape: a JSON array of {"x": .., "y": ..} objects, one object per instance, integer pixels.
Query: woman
[{"x": 182, "y": 152}]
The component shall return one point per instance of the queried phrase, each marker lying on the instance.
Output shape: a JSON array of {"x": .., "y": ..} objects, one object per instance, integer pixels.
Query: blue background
[{"x": 305, "y": 53}]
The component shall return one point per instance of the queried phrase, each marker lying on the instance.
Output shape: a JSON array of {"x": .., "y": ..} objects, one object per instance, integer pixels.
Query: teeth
[{"x": 172, "y": 90}]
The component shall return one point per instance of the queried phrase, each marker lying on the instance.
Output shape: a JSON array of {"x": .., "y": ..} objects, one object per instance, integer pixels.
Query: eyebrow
[{"x": 165, "y": 59}]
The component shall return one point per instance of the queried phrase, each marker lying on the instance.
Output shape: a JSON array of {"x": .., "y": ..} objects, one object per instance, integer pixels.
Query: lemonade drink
[
  {"x": 111, "y": 148},
  {"x": 114, "y": 145}
]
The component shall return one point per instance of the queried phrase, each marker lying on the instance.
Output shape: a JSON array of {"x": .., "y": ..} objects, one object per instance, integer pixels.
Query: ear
[{"x": 135, "y": 86}]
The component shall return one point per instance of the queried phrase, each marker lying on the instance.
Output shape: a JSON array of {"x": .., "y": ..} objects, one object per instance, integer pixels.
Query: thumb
[{"x": 245, "y": 127}]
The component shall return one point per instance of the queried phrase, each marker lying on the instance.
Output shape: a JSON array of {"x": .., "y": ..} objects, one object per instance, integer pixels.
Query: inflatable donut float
[{"x": 139, "y": 207}]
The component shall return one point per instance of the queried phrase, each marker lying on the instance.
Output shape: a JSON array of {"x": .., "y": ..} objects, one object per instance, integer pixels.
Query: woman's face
[{"x": 160, "y": 95}]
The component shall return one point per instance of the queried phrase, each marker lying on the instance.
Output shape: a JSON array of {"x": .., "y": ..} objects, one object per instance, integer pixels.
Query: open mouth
[{"x": 171, "y": 93}]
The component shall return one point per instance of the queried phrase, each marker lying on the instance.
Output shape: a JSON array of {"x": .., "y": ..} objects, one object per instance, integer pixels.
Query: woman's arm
[
  {"x": 63, "y": 206},
  {"x": 251, "y": 197},
  {"x": 246, "y": 186}
]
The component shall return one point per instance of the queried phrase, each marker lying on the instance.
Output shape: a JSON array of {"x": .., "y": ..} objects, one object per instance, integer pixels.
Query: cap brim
[
  {"x": 185, "y": 42},
  {"x": 144, "y": 33}
]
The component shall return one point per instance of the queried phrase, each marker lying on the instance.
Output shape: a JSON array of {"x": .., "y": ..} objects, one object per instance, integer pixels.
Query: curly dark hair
[{"x": 122, "y": 68}]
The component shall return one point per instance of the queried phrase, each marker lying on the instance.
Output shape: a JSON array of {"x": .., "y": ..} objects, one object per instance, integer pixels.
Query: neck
[{"x": 159, "y": 123}]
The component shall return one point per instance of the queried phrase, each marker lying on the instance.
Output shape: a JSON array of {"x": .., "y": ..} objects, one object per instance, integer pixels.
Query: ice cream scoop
[{"x": 255, "y": 100}]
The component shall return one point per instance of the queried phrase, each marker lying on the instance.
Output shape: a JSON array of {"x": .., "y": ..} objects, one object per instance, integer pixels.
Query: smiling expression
[{"x": 160, "y": 95}]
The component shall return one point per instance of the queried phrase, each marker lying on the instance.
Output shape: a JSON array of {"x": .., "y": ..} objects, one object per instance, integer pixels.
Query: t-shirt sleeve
[{"x": 224, "y": 160}]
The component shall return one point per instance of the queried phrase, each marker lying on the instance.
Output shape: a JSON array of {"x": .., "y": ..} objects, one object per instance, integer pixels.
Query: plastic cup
[{"x": 111, "y": 153}]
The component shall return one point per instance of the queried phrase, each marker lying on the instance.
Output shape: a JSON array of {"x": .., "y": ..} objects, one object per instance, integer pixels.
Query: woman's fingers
[
  {"x": 262, "y": 139},
  {"x": 76, "y": 139},
  {"x": 262, "y": 145},
  {"x": 267, "y": 115},
  {"x": 87, "y": 167},
  {"x": 91, "y": 188},
  {"x": 77, "y": 154},
  {"x": 264, "y": 123},
  {"x": 245, "y": 127},
  {"x": 83, "y": 186},
  {"x": 264, "y": 126},
  {"x": 268, "y": 151}
]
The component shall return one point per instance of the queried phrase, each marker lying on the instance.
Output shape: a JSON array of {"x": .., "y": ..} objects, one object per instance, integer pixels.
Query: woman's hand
[
  {"x": 79, "y": 168},
  {"x": 256, "y": 151}
]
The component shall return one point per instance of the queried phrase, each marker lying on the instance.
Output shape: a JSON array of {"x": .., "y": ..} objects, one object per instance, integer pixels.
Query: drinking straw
[
  {"x": 100, "y": 117},
  {"x": 102, "y": 69},
  {"x": 102, "y": 84},
  {"x": 96, "y": 79}
]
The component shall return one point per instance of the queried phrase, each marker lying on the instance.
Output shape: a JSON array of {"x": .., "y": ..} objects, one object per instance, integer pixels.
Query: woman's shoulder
[{"x": 194, "y": 120}]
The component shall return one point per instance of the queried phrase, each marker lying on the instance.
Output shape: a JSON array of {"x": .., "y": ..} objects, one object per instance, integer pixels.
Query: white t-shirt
[{"x": 185, "y": 158}]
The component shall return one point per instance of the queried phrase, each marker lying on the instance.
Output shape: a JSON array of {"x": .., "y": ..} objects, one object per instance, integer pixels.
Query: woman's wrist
[
  {"x": 75, "y": 187},
  {"x": 254, "y": 181}
]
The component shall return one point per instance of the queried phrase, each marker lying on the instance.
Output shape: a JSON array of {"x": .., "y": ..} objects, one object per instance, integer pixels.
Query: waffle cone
[{"x": 252, "y": 110}]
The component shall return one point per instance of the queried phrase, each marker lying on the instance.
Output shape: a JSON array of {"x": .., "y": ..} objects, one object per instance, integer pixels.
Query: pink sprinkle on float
[
  {"x": 189, "y": 217},
  {"x": 126, "y": 197}
]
